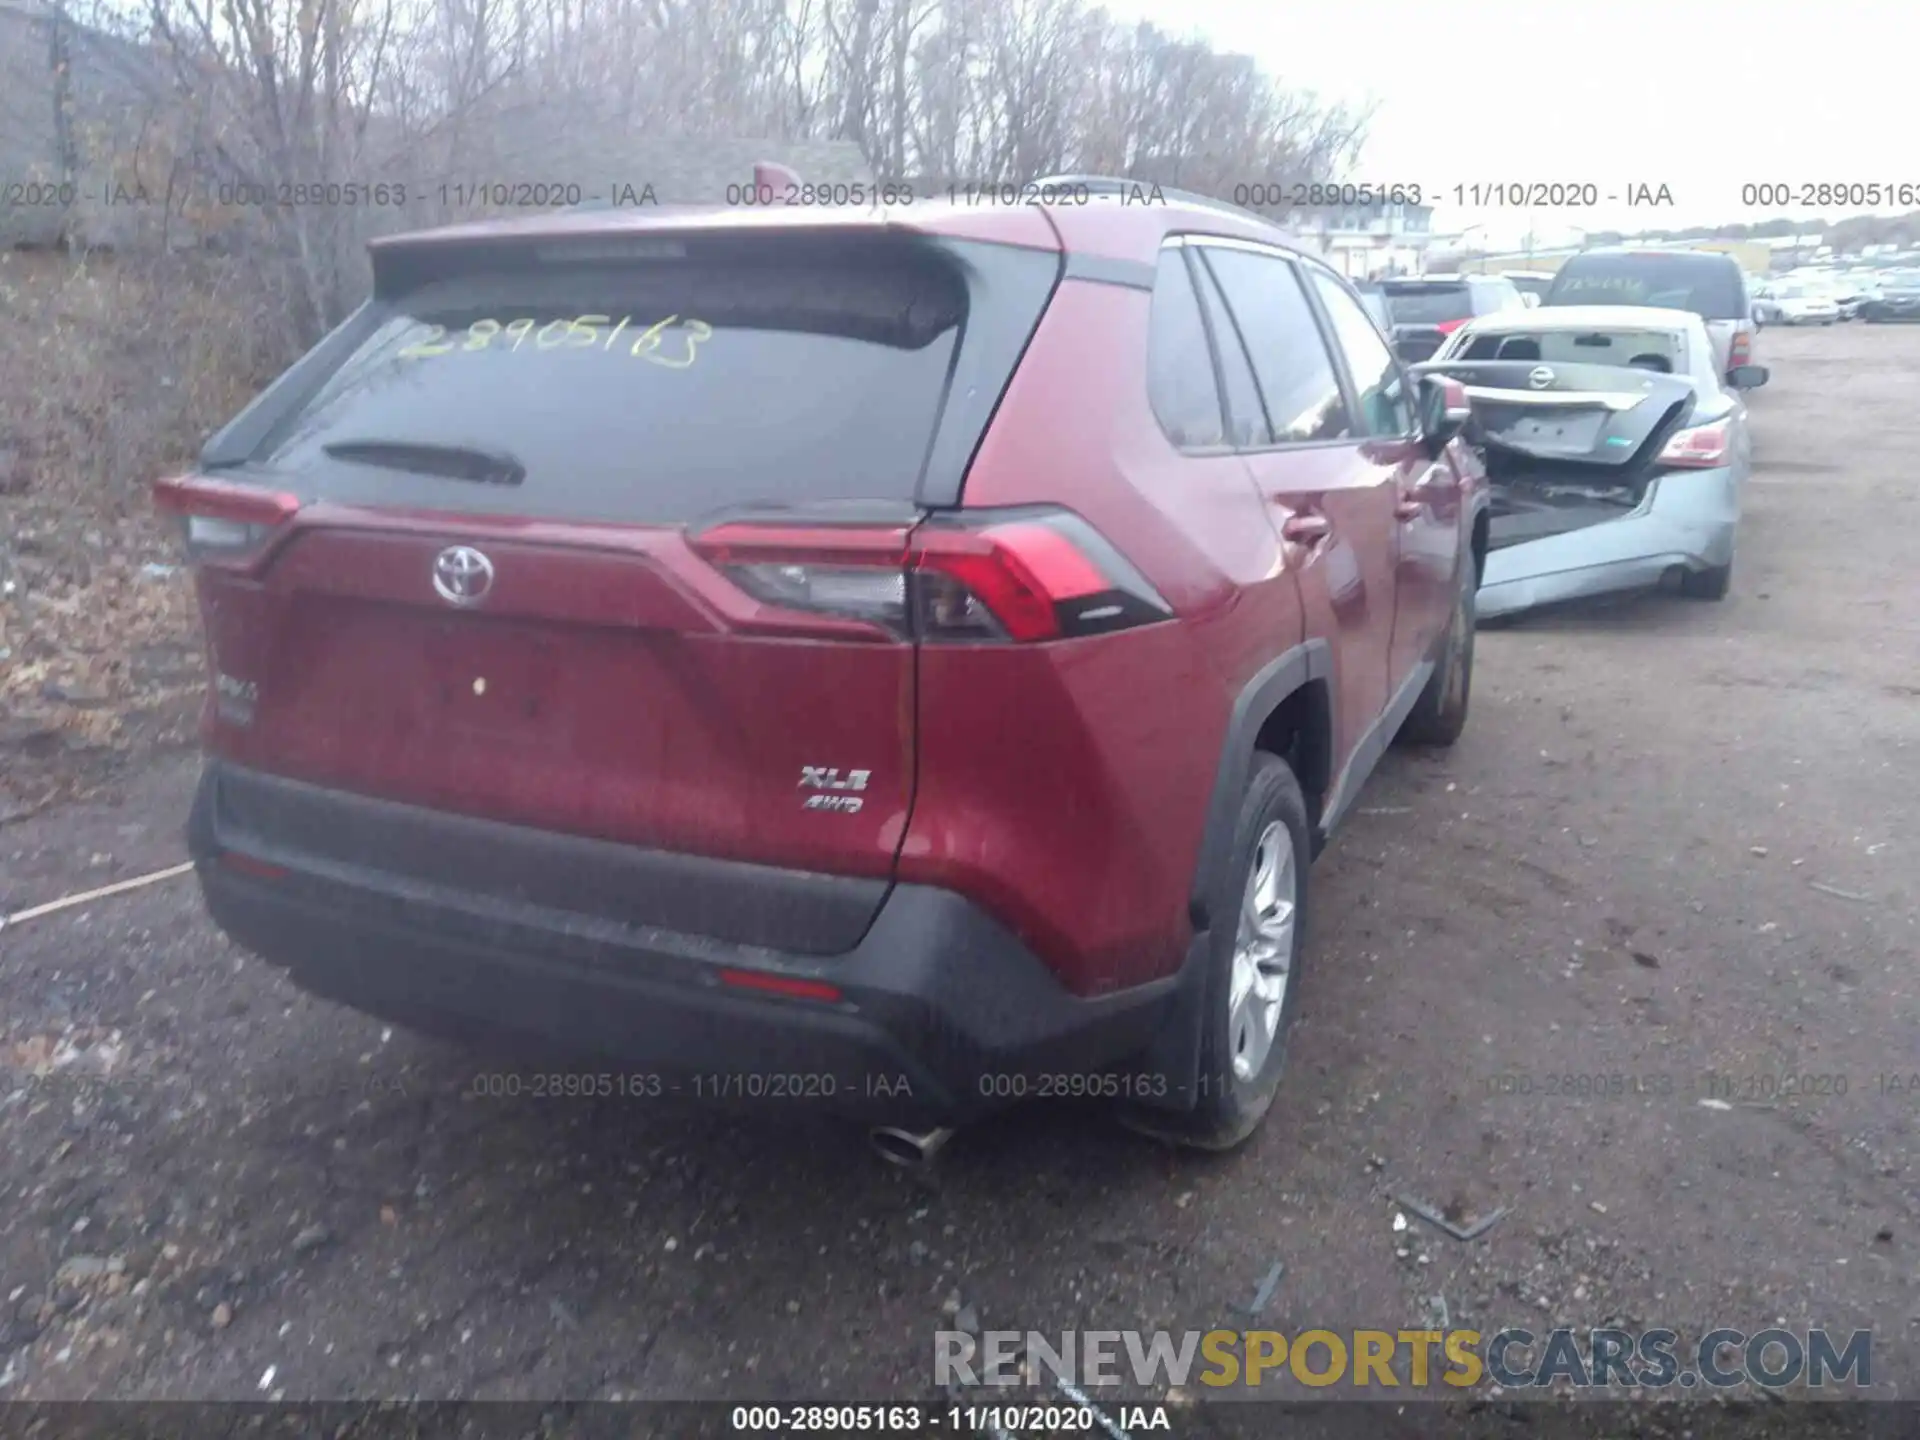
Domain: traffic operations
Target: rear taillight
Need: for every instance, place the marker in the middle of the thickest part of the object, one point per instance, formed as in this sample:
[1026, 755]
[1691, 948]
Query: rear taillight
[1701, 448]
[988, 576]
[1741, 351]
[1447, 327]
[219, 520]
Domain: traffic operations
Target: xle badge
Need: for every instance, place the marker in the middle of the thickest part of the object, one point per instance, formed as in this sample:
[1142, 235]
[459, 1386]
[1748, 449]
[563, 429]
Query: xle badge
[830, 787]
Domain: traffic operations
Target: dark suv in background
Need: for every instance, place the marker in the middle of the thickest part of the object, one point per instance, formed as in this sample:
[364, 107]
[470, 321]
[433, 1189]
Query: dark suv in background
[901, 660]
[1428, 309]
[1710, 284]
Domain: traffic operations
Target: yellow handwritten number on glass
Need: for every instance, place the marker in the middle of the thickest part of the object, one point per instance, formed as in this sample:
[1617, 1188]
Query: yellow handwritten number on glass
[696, 332]
[432, 344]
[579, 333]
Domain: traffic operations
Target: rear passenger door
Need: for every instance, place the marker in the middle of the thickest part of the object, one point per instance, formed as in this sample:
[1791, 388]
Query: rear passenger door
[1330, 501]
[1427, 491]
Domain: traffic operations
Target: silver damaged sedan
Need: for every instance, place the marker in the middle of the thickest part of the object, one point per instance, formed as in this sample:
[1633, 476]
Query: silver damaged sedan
[1615, 451]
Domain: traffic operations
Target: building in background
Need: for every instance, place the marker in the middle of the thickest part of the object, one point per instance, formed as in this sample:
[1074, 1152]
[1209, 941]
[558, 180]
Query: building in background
[1367, 241]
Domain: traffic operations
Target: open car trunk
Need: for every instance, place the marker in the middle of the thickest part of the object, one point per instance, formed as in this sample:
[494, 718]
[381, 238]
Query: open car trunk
[1566, 446]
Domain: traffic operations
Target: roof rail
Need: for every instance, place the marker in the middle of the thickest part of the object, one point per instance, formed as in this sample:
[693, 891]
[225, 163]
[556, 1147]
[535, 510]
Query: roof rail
[1116, 184]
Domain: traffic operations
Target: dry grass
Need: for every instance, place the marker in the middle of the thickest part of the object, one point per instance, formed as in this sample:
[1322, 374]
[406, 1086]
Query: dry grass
[111, 373]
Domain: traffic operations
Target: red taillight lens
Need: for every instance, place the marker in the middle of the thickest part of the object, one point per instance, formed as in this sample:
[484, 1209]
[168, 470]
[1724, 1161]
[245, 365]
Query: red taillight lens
[1741, 351]
[219, 520]
[1701, 448]
[1447, 327]
[990, 576]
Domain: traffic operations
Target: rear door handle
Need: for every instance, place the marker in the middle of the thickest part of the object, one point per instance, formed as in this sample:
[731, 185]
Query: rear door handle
[1304, 527]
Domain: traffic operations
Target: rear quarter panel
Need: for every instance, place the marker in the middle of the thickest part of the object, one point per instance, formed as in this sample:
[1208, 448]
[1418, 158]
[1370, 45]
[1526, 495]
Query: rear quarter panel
[1066, 785]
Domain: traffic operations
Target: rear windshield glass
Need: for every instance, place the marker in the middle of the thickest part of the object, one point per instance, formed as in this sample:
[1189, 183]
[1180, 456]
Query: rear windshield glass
[1708, 285]
[656, 391]
[1429, 304]
[1655, 350]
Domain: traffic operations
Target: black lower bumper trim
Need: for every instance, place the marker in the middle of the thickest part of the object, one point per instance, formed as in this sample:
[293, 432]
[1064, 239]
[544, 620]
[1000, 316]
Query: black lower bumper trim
[944, 1014]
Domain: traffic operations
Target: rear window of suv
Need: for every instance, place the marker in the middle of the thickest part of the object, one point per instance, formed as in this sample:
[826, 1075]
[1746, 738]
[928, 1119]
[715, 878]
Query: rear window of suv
[654, 391]
[1429, 304]
[1708, 285]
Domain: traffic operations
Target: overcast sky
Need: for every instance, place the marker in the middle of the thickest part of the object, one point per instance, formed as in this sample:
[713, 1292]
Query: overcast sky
[1699, 95]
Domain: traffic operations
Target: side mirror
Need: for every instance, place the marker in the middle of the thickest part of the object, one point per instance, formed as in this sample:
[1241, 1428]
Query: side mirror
[1748, 377]
[1444, 410]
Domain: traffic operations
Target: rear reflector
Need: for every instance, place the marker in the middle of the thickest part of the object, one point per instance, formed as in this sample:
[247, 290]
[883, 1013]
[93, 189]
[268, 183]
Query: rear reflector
[992, 576]
[790, 986]
[252, 865]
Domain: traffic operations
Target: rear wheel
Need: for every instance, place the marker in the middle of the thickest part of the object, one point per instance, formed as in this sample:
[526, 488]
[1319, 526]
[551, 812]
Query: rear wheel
[1253, 968]
[1709, 584]
[1440, 714]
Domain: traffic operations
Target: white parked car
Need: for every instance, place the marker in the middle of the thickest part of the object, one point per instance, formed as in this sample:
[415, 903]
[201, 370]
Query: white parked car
[1796, 302]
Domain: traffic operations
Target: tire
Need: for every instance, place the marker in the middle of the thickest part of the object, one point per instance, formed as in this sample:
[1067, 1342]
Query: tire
[1440, 714]
[1239, 1078]
[1711, 584]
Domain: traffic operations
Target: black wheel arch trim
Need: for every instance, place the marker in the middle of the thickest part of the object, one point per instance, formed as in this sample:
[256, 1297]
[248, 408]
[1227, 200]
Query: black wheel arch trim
[1175, 1051]
[1262, 695]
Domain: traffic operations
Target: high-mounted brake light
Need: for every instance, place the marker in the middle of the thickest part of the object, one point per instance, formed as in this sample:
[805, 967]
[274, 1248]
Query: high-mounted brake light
[1702, 448]
[985, 576]
[220, 520]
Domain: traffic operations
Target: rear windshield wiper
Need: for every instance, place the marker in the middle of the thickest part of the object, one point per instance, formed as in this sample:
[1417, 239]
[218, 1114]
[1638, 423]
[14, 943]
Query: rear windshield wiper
[452, 462]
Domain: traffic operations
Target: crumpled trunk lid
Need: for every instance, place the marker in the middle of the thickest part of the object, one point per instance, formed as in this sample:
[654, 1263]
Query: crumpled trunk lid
[1566, 446]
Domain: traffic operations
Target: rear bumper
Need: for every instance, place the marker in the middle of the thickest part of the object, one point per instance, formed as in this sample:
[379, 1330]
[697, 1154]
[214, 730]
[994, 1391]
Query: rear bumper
[1690, 522]
[943, 1014]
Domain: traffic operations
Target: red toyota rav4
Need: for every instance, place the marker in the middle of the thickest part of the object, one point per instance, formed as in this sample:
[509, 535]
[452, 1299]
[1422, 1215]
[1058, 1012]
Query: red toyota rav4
[906, 659]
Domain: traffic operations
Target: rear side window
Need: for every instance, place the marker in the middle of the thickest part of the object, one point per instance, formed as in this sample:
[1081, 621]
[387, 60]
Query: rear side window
[1708, 285]
[1429, 304]
[1246, 416]
[1377, 384]
[652, 392]
[1290, 360]
[1180, 380]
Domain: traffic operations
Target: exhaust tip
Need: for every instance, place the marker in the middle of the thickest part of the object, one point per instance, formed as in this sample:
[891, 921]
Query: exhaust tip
[909, 1149]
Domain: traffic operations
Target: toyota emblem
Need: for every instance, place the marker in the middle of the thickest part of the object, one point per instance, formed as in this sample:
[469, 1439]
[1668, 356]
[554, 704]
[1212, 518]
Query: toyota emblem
[1540, 377]
[462, 575]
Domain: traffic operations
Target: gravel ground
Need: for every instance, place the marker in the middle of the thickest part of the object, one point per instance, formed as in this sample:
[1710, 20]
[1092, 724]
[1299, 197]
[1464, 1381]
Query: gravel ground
[212, 1186]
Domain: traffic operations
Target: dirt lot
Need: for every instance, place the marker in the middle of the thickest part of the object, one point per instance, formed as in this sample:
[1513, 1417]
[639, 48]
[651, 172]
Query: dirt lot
[1618, 872]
